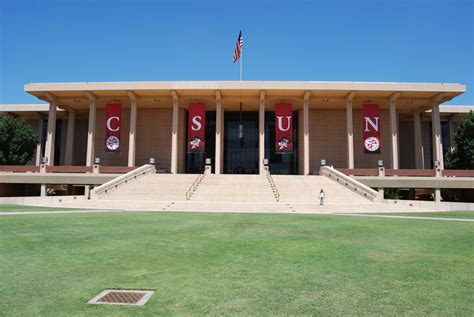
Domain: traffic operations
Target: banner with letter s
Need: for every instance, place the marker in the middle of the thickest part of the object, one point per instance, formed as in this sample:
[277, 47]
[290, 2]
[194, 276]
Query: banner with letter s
[371, 127]
[283, 128]
[196, 127]
[113, 118]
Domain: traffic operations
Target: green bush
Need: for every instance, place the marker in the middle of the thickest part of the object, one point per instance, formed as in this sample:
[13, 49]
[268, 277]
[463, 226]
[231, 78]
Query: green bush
[462, 157]
[391, 193]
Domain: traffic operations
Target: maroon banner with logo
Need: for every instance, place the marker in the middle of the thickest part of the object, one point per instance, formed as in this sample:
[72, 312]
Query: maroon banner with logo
[371, 126]
[283, 128]
[113, 118]
[196, 127]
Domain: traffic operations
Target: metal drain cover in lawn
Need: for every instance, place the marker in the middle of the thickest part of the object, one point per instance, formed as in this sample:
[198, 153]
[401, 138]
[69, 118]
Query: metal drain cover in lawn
[122, 297]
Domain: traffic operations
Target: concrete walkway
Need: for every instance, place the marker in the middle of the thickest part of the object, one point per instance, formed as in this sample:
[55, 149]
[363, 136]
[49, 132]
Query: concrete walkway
[62, 212]
[409, 217]
[281, 207]
[58, 212]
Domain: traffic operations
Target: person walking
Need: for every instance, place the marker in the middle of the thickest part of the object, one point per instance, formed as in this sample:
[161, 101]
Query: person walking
[321, 197]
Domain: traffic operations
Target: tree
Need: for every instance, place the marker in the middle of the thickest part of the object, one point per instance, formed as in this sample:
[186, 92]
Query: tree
[17, 141]
[462, 157]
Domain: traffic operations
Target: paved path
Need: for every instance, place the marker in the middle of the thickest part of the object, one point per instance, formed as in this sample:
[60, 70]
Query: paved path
[60, 212]
[56, 212]
[409, 217]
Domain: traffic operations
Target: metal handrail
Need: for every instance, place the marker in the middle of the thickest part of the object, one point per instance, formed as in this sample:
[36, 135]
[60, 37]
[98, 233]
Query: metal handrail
[343, 179]
[125, 178]
[273, 185]
[194, 185]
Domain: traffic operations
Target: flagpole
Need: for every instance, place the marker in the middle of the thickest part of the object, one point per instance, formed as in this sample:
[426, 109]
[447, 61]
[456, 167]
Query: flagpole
[241, 56]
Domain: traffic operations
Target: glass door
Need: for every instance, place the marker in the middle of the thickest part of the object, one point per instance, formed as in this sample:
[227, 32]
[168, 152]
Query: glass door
[241, 154]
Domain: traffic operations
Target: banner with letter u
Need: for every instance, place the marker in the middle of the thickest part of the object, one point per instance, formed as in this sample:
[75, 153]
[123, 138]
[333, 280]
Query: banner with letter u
[283, 128]
[196, 127]
[113, 118]
[371, 126]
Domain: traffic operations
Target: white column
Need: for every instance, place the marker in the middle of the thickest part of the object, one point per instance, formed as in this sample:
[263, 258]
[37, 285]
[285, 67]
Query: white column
[40, 141]
[91, 129]
[307, 94]
[436, 130]
[394, 130]
[437, 195]
[350, 130]
[71, 123]
[50, 135]
[217, 157]
[174, 134]
[261, 133]
[133, 128]
[417, 139]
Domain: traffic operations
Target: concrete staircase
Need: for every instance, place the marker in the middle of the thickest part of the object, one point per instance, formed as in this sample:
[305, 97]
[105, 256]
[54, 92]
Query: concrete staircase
[232, 193]
[234, 188]
[153, 187]
[305, 189]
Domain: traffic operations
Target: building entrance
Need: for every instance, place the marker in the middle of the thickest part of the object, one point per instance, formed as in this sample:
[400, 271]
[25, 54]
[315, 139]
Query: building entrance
[241, 154]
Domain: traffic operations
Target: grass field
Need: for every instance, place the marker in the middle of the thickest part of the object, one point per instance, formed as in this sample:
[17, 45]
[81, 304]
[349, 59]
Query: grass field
[236, 264]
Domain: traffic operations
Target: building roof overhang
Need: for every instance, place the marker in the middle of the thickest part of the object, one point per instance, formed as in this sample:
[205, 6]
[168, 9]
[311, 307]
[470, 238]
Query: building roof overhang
[28, 111]
[323, 94]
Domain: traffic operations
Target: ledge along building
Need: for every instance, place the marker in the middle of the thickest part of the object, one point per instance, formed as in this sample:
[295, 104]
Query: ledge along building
[240, 127]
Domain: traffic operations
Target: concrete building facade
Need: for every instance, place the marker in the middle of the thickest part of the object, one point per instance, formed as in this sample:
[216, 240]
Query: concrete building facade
[328, 123]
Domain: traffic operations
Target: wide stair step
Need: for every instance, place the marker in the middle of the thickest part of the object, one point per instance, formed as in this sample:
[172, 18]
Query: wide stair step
[153, 187]
[234, 188]
[305, 189]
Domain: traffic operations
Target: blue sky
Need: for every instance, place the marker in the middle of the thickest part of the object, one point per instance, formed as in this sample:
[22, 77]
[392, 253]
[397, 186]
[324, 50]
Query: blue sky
[361, 40]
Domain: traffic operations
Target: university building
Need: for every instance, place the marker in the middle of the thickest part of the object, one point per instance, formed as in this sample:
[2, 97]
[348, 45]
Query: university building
[243, 124]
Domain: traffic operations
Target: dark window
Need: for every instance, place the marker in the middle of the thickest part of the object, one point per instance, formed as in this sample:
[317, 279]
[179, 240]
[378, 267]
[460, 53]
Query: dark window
[445, 136]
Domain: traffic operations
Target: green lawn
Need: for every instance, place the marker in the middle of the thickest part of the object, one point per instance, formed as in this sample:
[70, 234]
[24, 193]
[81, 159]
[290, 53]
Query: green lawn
[6, 208]
[236, 264]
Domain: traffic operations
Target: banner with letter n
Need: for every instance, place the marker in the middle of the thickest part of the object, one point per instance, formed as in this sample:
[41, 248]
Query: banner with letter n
[113, 118]
[371, 126]
[283, 128]
[196, 127]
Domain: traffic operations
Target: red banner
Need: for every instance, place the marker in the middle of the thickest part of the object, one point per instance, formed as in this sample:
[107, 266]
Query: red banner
[371, 126]
[283, 128]
[196, 127]
[113, 118]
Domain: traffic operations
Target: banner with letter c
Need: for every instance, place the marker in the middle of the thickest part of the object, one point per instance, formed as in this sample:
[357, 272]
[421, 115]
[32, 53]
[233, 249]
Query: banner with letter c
[196, 127]
[371, 126]
[283, 128]
[113, 118]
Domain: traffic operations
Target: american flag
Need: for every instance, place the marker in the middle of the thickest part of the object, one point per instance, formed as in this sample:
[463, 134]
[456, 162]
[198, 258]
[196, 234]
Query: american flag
[238, 47]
